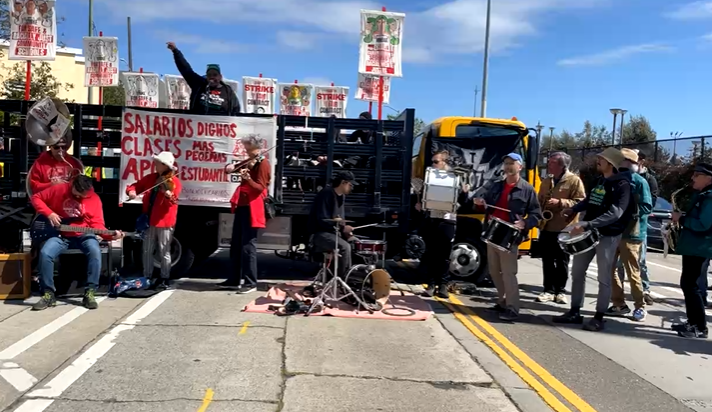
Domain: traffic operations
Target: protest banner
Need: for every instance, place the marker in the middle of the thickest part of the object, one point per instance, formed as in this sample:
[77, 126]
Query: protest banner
[101, 61]
[381, 44]
[202, 146]
[331, 100]
[177, 92]
[141, 89]
[295, 99]
[259, 95]
[368, 85]
[33, 30]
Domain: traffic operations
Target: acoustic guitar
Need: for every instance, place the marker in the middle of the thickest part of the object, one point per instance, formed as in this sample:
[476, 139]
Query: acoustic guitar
[42, 229]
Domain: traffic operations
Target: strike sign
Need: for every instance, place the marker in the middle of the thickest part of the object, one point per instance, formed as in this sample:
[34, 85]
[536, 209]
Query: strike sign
[331, 100]
[258, 95]
[101, 61]
[141, 89]
[33, 30]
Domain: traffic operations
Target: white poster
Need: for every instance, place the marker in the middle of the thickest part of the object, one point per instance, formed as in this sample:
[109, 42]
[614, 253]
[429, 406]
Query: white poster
[259, 95]
[331, 100]
[202, 146]
[141, 89]
[234, 85]
[367, 89]
[381, 43]
[33, 30]
[101, 61]
[295, 99]
[177, 92]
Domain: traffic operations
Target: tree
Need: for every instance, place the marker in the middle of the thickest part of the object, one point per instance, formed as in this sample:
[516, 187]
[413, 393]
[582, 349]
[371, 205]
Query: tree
[43, 82]
[114, 96]
[638, 130]
[418, 125]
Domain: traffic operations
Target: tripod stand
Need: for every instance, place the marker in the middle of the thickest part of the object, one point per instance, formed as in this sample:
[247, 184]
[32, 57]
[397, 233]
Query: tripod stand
[330, 290]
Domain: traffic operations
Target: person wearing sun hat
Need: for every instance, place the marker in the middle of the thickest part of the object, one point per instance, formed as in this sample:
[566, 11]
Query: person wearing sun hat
[606, 209]
[160, 213]
[209, 95]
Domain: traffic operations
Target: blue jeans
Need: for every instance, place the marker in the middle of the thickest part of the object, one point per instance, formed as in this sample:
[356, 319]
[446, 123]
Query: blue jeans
[643, 267]
[56, 245]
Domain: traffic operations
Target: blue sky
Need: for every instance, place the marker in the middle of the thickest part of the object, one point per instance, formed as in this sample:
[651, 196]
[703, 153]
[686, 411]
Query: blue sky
[556, 61]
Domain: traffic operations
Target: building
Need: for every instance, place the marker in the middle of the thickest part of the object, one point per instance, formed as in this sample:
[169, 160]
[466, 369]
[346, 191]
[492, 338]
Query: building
[68, 67]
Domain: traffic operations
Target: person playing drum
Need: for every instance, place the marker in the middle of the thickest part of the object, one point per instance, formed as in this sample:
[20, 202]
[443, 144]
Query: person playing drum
[519, 197]
[608, 209]
[438, 234]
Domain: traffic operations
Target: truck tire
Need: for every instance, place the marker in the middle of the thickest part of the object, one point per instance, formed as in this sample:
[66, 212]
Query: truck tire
[468, 261]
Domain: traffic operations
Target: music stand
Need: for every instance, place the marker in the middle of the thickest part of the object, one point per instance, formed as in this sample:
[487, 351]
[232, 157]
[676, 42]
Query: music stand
[331, 289]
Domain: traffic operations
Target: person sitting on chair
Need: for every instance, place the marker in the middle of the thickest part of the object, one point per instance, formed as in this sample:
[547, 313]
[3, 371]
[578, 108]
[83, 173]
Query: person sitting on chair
[76, 203]
[54, 167]
[329, 204]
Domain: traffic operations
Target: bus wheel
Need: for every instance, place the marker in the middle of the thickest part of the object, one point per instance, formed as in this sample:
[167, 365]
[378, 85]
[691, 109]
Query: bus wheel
[467, 261]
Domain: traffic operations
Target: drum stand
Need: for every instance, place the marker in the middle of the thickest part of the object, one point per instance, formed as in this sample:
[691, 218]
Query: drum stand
[330, 290]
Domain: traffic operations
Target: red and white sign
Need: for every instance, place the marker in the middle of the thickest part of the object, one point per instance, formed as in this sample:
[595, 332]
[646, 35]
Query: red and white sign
[259, 95]
[141, 89]
[381, 43]
[368, 87]
[177, 92]
[202, 146]
[295, 99]
[331, 100]
[33, 30]
[101, 61]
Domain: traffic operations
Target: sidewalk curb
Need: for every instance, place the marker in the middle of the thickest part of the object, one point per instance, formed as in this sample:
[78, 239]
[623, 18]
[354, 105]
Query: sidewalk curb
[523, 397]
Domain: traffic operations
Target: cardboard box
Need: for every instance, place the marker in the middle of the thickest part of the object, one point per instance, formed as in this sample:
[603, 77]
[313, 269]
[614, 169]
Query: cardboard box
[15, 276]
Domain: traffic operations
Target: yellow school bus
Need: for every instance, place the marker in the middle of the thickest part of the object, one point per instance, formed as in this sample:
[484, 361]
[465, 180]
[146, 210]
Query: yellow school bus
[477, 144]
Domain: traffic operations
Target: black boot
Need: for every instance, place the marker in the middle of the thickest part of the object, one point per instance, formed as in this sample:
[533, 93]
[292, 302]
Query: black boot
[46, 301]
[442, 291]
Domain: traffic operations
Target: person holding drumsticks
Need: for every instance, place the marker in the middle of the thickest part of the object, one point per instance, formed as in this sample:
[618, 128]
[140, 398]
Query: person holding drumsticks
[518, 197]
[607, 208]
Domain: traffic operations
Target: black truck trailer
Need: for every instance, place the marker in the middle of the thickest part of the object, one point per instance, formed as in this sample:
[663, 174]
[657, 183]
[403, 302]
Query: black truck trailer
[308, 152]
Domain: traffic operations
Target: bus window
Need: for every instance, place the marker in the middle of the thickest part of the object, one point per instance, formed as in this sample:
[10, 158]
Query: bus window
[417, 140]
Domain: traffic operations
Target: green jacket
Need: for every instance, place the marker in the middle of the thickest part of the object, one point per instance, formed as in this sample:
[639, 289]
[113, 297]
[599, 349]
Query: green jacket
[696, 234]
[644, 201]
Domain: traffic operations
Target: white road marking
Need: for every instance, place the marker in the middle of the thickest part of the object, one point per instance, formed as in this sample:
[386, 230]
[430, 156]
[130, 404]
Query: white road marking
[663, 266]
[19, 378]
[40, 334]
[73, 372]
[35, 405]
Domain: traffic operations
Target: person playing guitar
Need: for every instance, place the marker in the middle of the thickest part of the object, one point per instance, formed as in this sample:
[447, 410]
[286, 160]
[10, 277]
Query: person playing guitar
[160, 212]
[77, 203]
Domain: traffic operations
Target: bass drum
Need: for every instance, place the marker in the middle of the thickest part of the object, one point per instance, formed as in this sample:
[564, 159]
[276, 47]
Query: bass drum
[373, 286]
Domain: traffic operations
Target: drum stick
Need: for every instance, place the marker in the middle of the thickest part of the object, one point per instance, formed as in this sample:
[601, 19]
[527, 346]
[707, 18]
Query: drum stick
[498, 208]
[361, 227]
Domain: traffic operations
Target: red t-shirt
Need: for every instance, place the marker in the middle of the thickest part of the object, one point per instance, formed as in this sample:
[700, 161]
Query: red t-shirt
[503, 202]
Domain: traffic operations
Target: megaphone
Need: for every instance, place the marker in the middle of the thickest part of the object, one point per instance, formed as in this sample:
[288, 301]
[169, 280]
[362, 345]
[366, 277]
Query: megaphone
[48, 122]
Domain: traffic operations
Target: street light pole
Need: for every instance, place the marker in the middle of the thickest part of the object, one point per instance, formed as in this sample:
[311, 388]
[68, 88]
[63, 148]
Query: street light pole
[539, 128]
[623, 112]
[615, 118]
[485, 67]
[551, 138]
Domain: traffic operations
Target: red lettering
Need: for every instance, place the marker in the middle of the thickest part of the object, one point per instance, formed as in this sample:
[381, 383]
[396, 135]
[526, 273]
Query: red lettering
[147, 149]
[165, 122]
[190, 132]
[128, 125]
[125, 145]
[131, 170]
[157, 128]
[146, 167]
[140, 129]
[201, 129]
[176, 148]
[233, 130]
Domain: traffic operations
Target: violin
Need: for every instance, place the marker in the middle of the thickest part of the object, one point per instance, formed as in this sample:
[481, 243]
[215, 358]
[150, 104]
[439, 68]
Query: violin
[248, 163]
[167, 183]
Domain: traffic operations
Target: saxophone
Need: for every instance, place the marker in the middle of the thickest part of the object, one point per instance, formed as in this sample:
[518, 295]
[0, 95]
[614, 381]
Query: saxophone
[547, 214]
[671, 231]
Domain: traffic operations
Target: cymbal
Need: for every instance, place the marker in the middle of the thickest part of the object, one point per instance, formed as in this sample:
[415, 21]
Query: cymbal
[338, 220]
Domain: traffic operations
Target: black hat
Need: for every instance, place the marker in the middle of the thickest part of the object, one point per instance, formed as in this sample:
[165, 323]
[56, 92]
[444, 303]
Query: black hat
[366, 115]
[346, 176]
[705, 168]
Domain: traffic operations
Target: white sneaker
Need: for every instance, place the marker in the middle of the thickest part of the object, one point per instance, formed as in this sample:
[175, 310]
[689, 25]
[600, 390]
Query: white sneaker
[545, 297]
[561, 299]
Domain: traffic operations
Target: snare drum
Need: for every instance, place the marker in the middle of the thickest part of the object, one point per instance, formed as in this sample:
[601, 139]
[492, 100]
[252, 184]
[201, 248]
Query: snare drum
[370, 247]
[441, 190]
[501, 235]
[578, 244]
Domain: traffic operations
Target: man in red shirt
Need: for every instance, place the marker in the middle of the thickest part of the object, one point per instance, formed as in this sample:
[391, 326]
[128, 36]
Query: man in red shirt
[54, 167]
[160, 212]
[518, 196]
[80, 206]
[248, 204]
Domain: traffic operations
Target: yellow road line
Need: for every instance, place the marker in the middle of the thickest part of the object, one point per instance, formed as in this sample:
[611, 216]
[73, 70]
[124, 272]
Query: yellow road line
[538, 370]
[243, 330]
[527, 377]
[206, 400]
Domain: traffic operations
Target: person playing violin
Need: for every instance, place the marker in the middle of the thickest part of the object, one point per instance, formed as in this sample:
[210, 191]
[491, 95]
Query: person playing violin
[160, 206]
[248, 205]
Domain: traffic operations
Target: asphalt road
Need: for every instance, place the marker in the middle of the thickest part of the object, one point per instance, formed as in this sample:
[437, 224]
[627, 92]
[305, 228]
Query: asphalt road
[192, 349]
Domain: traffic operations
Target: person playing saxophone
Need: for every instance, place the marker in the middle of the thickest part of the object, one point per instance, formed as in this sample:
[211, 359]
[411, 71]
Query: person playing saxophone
[561, 190]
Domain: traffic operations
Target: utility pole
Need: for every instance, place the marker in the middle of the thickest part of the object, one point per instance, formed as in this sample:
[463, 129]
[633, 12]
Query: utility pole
[477, 91]
[91, 32]
[623, 112]
[128, 25]
[551, 138]
[485, 68]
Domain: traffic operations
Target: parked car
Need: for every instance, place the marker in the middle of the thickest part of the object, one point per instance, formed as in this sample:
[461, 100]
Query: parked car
[662, 213]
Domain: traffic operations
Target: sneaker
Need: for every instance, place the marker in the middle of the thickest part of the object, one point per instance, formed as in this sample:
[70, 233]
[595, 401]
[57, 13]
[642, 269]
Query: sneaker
[442, 292]
[46, 301]
[647, 298]
[639, 314]
[593, 325]
[509, 315]
[545, 297]
[161, 284]
[89, 300]
[618, 311]
[693, 332]
[429, 292]
[561, 299]
[229, 284]
[497, 308]
[680, 327]
[569, 317]
[246, 289]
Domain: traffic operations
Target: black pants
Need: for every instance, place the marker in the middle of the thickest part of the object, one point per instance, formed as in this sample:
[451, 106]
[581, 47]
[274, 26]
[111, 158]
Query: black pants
[694, 296]
[325, 242]
[438, 235]
[555, 262]
[243, 248]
